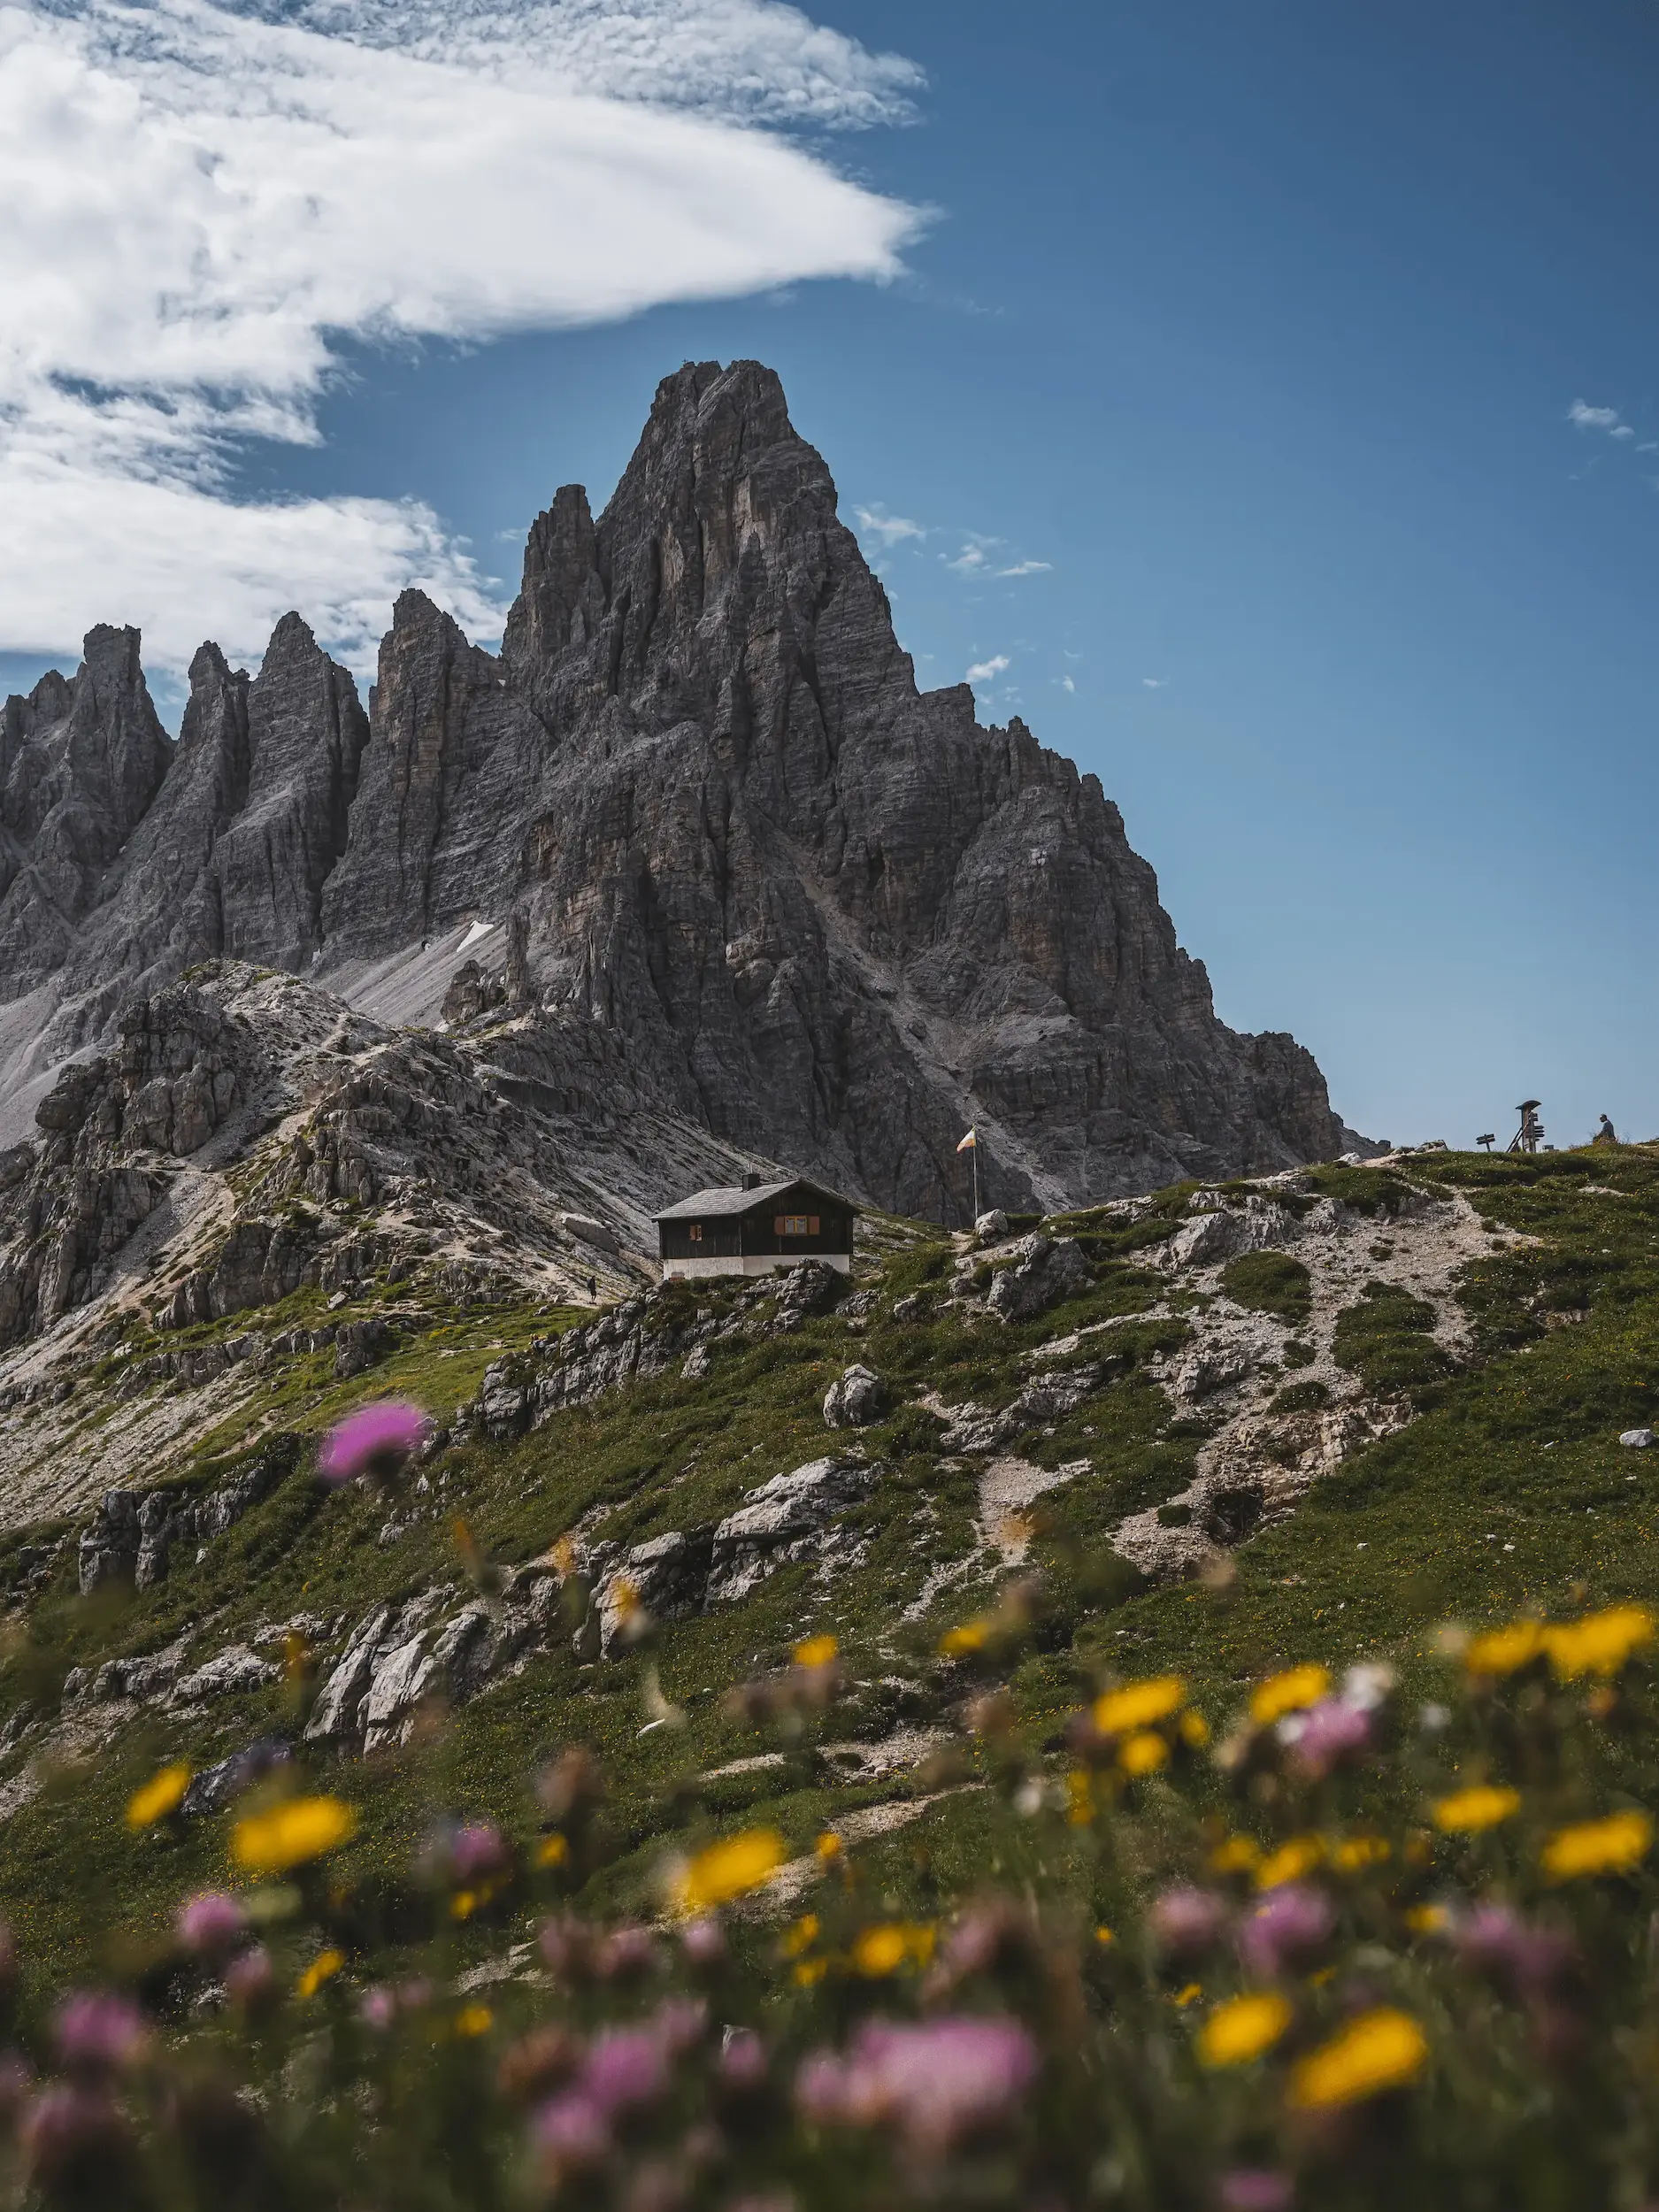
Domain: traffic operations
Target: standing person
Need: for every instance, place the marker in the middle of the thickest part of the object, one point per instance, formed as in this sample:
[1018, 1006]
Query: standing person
[593, 1290]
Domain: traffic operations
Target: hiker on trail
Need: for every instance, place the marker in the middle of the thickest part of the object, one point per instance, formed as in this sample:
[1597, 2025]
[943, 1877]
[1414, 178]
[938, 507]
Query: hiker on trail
[1605, 1133]
[592, 1287]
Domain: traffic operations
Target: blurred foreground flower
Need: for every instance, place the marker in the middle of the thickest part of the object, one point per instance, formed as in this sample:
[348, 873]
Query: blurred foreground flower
[1138, 1705]
[728, 1869]
[1286, 1927]
[304, 1828]
[1612, 1846]
[376, 1440]
[1288, 1693]
[162, 1794]
[935, 2082]
[211, 1923]
[1471, 1811]
[1382, 2049]
[1243, 2027]
[98, 2033]
[1600, 1643]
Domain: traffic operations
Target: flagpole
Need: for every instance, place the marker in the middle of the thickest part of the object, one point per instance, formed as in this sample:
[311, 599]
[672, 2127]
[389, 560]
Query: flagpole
[976, 1179]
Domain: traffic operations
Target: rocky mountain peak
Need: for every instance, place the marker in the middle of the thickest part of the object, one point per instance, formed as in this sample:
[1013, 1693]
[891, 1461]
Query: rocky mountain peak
[698, 800]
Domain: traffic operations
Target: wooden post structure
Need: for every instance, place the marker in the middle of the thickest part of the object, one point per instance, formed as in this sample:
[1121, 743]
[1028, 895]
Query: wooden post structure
[1528, 1136]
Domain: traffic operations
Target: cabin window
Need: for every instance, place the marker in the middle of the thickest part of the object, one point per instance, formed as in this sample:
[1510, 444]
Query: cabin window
[796, 1225]
[695, 1233]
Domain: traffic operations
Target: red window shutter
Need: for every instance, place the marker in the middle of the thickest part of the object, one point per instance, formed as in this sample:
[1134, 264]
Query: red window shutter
[777, 1226]
[811, 1225]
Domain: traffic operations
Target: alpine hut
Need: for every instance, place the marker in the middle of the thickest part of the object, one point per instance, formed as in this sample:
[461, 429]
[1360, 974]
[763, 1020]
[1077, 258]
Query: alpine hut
[755, 1227]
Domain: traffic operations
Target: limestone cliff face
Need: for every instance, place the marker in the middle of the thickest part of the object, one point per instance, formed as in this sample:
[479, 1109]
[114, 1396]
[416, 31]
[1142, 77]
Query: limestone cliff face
[827, 916]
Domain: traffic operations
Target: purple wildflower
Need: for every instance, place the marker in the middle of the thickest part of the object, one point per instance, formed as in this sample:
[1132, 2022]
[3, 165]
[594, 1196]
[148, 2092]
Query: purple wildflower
[570, 2130]
[1256, 2189]
[626, 2066]
[935, 2081]
[375, 1440]
[704, 1941]
[1187, 1920]
[1499, 1942]
[628, 1950]
[1324, 1735]
[677, 2022]
[98, 2033]
[250, 1979]
[742, 2061]
[1290, 1922]
[71, 2134]
[211, 1923]
[377, 2008]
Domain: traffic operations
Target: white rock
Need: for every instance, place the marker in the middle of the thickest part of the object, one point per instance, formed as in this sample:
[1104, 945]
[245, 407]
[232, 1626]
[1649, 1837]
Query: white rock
[1638, 1440]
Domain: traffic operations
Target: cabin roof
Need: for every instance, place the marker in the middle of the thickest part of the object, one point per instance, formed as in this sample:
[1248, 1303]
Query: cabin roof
[704, 1204]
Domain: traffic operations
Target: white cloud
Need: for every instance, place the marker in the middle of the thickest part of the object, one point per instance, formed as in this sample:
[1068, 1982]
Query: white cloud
[1066, 684]
[1588, 417]
[1621, 430]
[968, 562]
[199, 202]
[1155, 683]
[891, 529]
[1027, 568]
[983, 672]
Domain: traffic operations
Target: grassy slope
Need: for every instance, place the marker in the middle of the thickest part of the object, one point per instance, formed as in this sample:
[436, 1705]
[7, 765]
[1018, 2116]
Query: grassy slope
[1520, 1449]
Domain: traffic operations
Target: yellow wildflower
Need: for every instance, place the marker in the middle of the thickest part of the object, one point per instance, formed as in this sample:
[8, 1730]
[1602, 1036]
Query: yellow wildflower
[1290, 1862]
[816, 1651]
[1104, 1936]
[828, 1846]
[561, 1554]
[623, 1600]
[322, 1969]
[1354, 1854]
[1612, 1846]
[464, 1903]
[726, 1869]
[1469, 1812]
[1383, 2049]
[1079, 1797]
[1139, 1704]
[475, 2020]
[1143, 1753]
[956, 1643]
[801, 1936]
[1428, 1919]
[162, 1794]
[1503, 1650]
[1234, 1854]
[552, 1850]
[1600, 1643]
[885, 1947]
[304, 1828]
[1288, 1693]
[1190, 1995]
[1243, 2027]
[806, 1972]
[1195, 1729]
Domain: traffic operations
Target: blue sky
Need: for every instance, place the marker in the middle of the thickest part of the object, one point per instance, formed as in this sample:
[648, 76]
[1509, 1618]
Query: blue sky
[1251, 339]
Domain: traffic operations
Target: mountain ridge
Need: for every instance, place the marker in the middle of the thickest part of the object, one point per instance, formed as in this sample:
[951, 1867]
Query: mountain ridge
[697, 798]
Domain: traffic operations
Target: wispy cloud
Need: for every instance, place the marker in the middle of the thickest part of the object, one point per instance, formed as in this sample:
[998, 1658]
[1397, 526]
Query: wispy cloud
[891, 530]
[202, 202]
[970, 561]
[986, 671]
[1156, 683]
[1066, 684]
[1027, 568]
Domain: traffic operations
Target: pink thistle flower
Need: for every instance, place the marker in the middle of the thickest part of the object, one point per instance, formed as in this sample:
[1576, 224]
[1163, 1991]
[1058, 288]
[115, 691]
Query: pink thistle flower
[98, 2033]
[625, 2066]
[376, 1441]
[71, 2134]
[935, 2081]
[570, 2130]
[624, 1951]
[211, 1923]
[677, 2023]
[742, 2060]
[1290, 1922]
[250, 1979]
[704, 1941]
[1256, 2189]
[377, 2008]
[1187, 1920]
[1324, 1735]
[1501, 1943]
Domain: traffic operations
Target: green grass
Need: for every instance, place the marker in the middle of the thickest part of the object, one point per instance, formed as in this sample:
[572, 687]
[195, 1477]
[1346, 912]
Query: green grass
[1508, 1489]
[1270, 1282]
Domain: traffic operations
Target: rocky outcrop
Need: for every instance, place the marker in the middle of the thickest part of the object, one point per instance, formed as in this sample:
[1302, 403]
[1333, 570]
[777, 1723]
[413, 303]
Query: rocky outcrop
[1042, 1272]
[131, 1537]
[855, 1399]
[819, 913]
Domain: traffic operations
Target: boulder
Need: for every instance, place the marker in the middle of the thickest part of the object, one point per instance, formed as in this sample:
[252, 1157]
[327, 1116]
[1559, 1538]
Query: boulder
[855, 1399]
[1638, 1440]
[786, 1518]
[1043, 1272]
